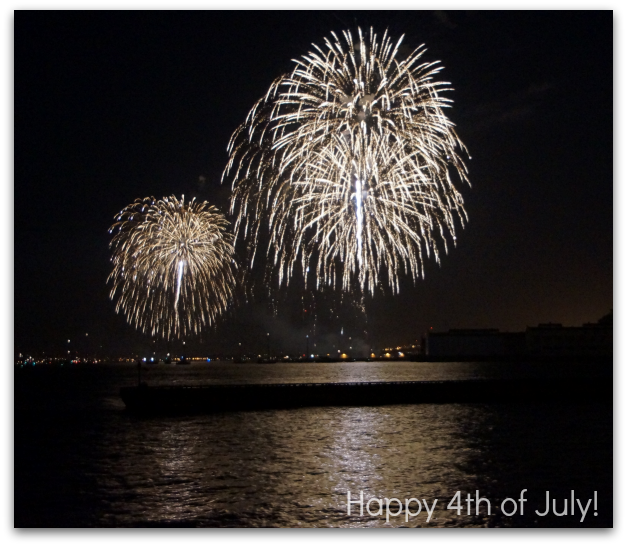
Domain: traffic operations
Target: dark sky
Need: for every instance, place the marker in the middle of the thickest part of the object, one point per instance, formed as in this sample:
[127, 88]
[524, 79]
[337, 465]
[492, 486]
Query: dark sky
[114, 106]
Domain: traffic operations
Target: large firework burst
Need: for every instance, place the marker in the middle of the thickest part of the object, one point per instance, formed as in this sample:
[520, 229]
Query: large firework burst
[350, 163]
[172, 265]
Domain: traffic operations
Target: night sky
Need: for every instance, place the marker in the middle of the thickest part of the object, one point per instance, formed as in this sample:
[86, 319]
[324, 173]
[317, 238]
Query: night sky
[110, 107]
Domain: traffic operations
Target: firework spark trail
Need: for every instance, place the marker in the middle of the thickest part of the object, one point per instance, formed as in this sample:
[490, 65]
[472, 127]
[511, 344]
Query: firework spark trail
[360, 218]
[173, 268]
[178, 283]
[348, 162]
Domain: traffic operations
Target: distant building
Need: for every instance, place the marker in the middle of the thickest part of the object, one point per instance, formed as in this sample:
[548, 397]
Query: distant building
[591, 339]
[544, 340]
[607, 320]
[487, 342]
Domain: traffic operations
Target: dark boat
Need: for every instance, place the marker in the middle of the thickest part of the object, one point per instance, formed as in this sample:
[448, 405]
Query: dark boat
[210, 398]
[267, 361]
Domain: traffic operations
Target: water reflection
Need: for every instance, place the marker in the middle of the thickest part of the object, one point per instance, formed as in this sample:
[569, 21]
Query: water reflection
[290, 467]
[295, 467]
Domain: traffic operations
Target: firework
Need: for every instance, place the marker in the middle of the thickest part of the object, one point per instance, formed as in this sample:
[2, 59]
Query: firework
[350, 164]
[172, 266]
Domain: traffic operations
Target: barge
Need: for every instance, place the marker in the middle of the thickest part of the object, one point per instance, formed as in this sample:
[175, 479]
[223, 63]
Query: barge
[237, 397]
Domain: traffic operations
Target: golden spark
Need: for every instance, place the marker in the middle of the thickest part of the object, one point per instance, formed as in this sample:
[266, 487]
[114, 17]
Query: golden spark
[172, 266]
[349, 163]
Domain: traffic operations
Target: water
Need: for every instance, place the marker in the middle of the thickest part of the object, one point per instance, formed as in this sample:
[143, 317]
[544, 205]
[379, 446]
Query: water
[82, 460]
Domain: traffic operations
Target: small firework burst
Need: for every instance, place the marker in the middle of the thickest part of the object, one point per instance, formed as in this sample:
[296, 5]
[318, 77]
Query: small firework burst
[173, 266]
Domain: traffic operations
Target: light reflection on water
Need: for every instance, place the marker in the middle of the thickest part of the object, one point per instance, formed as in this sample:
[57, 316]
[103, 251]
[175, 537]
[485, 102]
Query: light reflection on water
[295, 467]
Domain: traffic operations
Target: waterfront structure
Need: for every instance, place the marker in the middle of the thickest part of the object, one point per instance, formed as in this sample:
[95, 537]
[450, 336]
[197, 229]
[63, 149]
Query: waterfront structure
[544, 340]
[591, 339]
[173, 399]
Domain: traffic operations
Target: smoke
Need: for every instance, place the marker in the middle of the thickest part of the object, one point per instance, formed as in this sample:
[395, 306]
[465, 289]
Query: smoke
[326, 338]
[443, 18]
